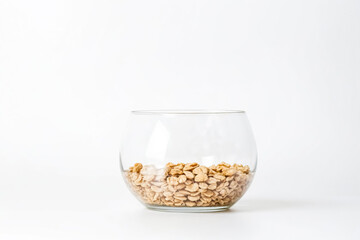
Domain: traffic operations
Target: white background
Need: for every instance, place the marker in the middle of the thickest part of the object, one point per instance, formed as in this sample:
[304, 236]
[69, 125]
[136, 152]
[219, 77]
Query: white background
[70, 71]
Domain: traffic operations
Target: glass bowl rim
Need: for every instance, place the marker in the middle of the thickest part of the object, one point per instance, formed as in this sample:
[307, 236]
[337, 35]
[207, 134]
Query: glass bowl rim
[186, 111]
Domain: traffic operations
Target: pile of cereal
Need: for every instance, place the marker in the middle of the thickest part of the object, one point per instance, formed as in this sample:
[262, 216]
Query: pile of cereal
[189, 185]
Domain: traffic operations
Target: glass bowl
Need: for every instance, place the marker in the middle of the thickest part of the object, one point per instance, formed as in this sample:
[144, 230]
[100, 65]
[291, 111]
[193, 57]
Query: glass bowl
[189, 160]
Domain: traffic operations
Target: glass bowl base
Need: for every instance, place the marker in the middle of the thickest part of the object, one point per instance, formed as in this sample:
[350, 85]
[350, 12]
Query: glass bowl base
[187, 209]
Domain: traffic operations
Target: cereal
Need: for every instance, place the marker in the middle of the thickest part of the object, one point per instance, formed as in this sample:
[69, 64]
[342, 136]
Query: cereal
[190, 204]
[219, 177]
[137, 167]
[203, 185]
[189, 185]
[202, 177]
[184, 192]
[229, 172]
[180, 186]
[176, 171]
[188, 182]
[190, 166]
[208, 193]
[193, 187]
[189, 175]
[182, 179]
[172, 181]
[193, 199]
[198, 170]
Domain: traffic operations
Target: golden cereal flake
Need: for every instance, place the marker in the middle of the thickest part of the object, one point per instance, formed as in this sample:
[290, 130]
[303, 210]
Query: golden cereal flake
[189, 185]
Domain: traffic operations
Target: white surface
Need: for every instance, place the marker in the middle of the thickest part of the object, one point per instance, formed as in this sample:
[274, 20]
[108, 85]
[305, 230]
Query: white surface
[71, 70]
[251, 218]
[102, 208]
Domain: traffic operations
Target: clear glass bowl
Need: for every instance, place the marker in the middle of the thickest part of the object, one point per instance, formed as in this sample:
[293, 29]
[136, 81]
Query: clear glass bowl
[188, 161]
